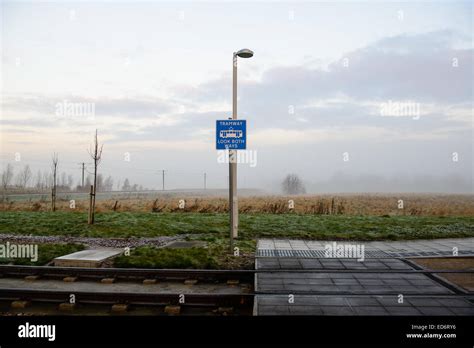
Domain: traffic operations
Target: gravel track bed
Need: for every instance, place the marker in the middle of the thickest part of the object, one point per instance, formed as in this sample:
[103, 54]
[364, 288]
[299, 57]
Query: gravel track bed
[90, 242]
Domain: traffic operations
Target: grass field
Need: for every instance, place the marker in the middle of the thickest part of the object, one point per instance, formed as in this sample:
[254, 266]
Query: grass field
[148, 257]
[252, 226]
[260, 219]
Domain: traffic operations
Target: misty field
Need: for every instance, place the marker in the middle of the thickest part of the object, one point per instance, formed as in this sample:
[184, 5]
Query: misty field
[206, 219]
[350, 204]
[251, 227]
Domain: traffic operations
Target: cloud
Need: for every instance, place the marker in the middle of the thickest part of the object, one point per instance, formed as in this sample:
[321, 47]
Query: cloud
[283, 137]
[403, 67]
[133, 107]
[414, 68]
[418, 66]
[298, 103]
[137, 107]
[141, 145]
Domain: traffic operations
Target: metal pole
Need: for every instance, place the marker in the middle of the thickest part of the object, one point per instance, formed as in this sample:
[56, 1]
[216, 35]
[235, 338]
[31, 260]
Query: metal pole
[83, 167]
[233, 204]
[163, 180]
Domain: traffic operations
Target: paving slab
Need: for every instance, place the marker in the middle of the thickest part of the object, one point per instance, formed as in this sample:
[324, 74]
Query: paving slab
[273, 263]
[322, 285]
[366, 305]
[375, 249]
[378, 283]
[87, 258]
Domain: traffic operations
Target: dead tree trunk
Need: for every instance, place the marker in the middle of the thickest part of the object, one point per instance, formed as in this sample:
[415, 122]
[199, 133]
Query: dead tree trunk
[90, 216]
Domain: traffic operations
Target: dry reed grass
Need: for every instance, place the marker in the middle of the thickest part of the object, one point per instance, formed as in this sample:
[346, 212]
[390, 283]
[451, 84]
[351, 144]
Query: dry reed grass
[349, 204]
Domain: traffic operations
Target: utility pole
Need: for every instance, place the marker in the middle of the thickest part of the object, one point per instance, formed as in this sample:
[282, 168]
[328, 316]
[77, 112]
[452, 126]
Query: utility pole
[163, 187]
[233, 203]
[83, 168]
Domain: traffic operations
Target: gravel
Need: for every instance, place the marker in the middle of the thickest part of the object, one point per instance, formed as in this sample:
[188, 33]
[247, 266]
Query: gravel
[90, 242]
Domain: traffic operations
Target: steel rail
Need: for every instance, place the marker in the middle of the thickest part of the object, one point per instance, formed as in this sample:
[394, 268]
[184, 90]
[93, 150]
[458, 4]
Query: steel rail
[191, 299]
[141, 273]
[198, 274]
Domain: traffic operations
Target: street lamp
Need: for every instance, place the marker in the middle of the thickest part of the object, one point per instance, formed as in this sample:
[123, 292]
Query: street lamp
[245, 53]
[233, 205]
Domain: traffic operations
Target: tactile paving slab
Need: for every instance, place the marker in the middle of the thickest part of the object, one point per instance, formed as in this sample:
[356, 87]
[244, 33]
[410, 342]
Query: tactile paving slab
[276, 263]
[363, 305]
[367, 254]
[323, 285]
[348, 283]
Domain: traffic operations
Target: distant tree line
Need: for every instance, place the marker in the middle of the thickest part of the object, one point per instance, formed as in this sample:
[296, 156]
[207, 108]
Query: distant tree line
[27, 182]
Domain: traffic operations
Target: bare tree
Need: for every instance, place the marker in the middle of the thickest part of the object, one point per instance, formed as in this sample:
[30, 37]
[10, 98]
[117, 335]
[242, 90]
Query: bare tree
[38, 179]
[70, 182]
[100, 183]
[88, 181]
[46, 181]
[63, 180]
[54, 168]
[7, 176]
[108, 184]
[293, 185]
[126, 185]
[24, 176]
[18, 180]
[96, 154]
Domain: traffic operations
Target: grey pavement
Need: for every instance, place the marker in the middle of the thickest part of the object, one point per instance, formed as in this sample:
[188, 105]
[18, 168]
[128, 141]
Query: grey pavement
[366, 305]
[269, 263]
[465, 246]
[348, 283]
[320, 285]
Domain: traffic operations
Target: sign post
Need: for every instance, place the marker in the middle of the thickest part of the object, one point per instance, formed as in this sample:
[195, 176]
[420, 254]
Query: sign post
[231, 135]
[238, 137]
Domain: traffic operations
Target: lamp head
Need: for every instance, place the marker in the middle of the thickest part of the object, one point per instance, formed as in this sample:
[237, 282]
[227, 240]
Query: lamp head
[245, 53]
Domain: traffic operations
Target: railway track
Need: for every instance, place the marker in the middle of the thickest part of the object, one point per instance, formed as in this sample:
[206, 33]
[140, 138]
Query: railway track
[127, 273]
[208, 290]
[63, 296]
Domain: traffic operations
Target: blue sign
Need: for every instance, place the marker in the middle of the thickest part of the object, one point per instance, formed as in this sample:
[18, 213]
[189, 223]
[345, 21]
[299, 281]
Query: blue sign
[231, 134]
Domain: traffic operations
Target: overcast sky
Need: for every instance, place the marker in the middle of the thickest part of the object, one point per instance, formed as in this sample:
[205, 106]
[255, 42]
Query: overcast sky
[320, 96]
